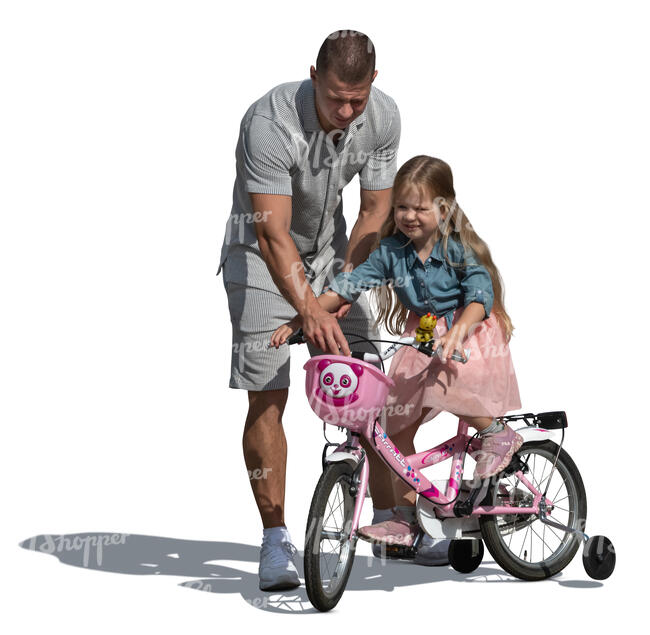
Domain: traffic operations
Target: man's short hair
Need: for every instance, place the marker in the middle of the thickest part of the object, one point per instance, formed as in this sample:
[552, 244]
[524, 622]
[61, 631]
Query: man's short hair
[350, 55]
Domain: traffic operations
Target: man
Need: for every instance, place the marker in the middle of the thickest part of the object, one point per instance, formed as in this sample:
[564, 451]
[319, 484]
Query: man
[299, 145]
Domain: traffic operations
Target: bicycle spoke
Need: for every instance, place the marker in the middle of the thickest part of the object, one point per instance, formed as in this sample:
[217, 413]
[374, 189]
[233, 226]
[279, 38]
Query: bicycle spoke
[523, 543]
[339, 499]
[331, 549]
[512, 533]
[558, 490]
[539, 547]
[339, 502]
[541, 483]
[542, 539]
[557, 520]
[538, 482]
[561, 539]
[331, 513]
[542, 477]
[328, 513]
[552, 530]
[325, 561]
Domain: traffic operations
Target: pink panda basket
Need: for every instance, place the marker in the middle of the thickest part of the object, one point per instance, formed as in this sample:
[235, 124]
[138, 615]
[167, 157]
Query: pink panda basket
[346, 392]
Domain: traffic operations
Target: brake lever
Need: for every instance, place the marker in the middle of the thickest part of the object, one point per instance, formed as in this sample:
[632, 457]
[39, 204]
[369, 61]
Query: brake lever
[427, 349]
[455, 356]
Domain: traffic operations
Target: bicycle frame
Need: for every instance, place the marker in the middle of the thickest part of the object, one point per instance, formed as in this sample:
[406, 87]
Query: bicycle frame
[409, 467]
[351, 393]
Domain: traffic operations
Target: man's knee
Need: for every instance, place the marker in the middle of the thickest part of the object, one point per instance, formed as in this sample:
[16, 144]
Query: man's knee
[267, 404]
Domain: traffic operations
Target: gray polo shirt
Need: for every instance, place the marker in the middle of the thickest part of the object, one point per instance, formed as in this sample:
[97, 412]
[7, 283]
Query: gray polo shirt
[282, 149]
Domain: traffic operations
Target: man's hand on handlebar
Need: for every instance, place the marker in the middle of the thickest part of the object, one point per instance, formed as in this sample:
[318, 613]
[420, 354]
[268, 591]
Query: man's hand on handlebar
[319, 327]
[322, 329]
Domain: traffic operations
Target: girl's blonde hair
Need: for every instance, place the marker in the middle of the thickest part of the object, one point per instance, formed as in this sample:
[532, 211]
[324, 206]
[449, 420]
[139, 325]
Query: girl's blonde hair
[433, 178]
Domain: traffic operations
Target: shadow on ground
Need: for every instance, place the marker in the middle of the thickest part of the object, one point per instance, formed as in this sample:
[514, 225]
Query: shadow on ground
[153, 555]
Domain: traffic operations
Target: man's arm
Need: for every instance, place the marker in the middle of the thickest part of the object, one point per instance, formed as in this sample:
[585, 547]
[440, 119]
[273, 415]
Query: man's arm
[376, 179]
[373, 211]
[375, 206]
[272, 218]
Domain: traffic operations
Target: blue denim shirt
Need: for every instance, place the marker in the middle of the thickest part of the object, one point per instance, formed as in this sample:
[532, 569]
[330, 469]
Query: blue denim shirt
[433, 286]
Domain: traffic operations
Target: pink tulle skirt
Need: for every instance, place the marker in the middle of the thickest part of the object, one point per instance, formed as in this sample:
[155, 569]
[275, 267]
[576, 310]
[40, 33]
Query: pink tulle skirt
[485, 386]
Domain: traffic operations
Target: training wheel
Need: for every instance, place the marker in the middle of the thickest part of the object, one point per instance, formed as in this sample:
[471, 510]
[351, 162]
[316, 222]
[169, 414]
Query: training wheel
[465, 556]
[599, 557]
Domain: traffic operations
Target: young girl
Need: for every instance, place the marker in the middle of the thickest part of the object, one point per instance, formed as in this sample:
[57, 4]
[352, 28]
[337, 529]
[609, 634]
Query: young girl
[428, 259]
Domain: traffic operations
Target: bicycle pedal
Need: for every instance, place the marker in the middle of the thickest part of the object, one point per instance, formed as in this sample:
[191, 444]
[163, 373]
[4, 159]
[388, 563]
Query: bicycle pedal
[392, 552]
[399, 552]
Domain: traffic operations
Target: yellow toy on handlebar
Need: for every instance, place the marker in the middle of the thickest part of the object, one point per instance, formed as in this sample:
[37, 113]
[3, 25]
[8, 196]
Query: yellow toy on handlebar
[424, 332]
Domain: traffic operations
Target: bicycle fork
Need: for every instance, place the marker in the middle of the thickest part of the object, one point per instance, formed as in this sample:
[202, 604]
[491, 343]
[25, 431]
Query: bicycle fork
[351, 452]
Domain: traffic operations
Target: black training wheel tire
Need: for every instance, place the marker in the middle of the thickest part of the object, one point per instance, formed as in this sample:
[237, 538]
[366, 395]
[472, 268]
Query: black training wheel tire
[465, 556]
[599, 557]
[335, 475]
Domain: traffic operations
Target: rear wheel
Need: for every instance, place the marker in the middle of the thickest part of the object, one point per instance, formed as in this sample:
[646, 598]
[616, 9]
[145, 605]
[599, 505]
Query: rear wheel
[329, 550]
[520, 543]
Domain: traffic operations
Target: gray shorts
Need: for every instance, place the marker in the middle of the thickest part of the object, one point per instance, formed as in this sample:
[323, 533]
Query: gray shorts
[255, 314]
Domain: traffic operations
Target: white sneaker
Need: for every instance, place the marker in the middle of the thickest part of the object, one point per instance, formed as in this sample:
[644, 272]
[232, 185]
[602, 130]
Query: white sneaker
[277, 569]
[432, 552]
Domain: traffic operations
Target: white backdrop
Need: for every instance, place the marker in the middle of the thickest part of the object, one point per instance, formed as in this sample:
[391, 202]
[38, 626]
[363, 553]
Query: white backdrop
[119, 125]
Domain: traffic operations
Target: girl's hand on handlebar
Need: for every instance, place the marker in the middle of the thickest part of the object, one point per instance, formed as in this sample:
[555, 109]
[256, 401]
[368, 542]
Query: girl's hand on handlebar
[451, 341]
[281, 334]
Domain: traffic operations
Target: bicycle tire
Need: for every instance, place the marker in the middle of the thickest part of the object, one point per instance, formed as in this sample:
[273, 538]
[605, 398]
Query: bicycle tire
[337, 478]
[493, 527]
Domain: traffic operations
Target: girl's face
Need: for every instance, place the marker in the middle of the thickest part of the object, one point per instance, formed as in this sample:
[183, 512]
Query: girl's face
[417, 216]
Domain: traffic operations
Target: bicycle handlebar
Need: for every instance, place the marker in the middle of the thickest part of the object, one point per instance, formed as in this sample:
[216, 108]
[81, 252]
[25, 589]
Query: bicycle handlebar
[424, 347]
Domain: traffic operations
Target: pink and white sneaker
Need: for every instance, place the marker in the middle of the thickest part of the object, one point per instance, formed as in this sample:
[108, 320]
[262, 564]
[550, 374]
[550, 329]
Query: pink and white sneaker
[394, 531]
[496, 452]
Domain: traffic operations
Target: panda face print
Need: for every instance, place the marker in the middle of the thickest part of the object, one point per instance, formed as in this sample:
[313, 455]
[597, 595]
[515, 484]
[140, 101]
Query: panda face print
[339, 380]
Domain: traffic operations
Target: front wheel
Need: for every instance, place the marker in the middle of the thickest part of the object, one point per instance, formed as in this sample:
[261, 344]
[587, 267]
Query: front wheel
[520, 543]
[329, 550]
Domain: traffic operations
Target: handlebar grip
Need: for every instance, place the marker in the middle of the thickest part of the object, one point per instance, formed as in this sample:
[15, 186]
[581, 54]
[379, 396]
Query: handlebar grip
[455, 356]
[427, 349]
[296, 338]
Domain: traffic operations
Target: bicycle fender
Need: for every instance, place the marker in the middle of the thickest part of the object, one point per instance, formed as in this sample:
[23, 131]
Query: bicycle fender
[535, 434]
[337, 457]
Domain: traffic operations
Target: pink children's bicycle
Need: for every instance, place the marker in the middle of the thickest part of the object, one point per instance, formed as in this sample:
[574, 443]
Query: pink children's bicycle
[531, 516]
